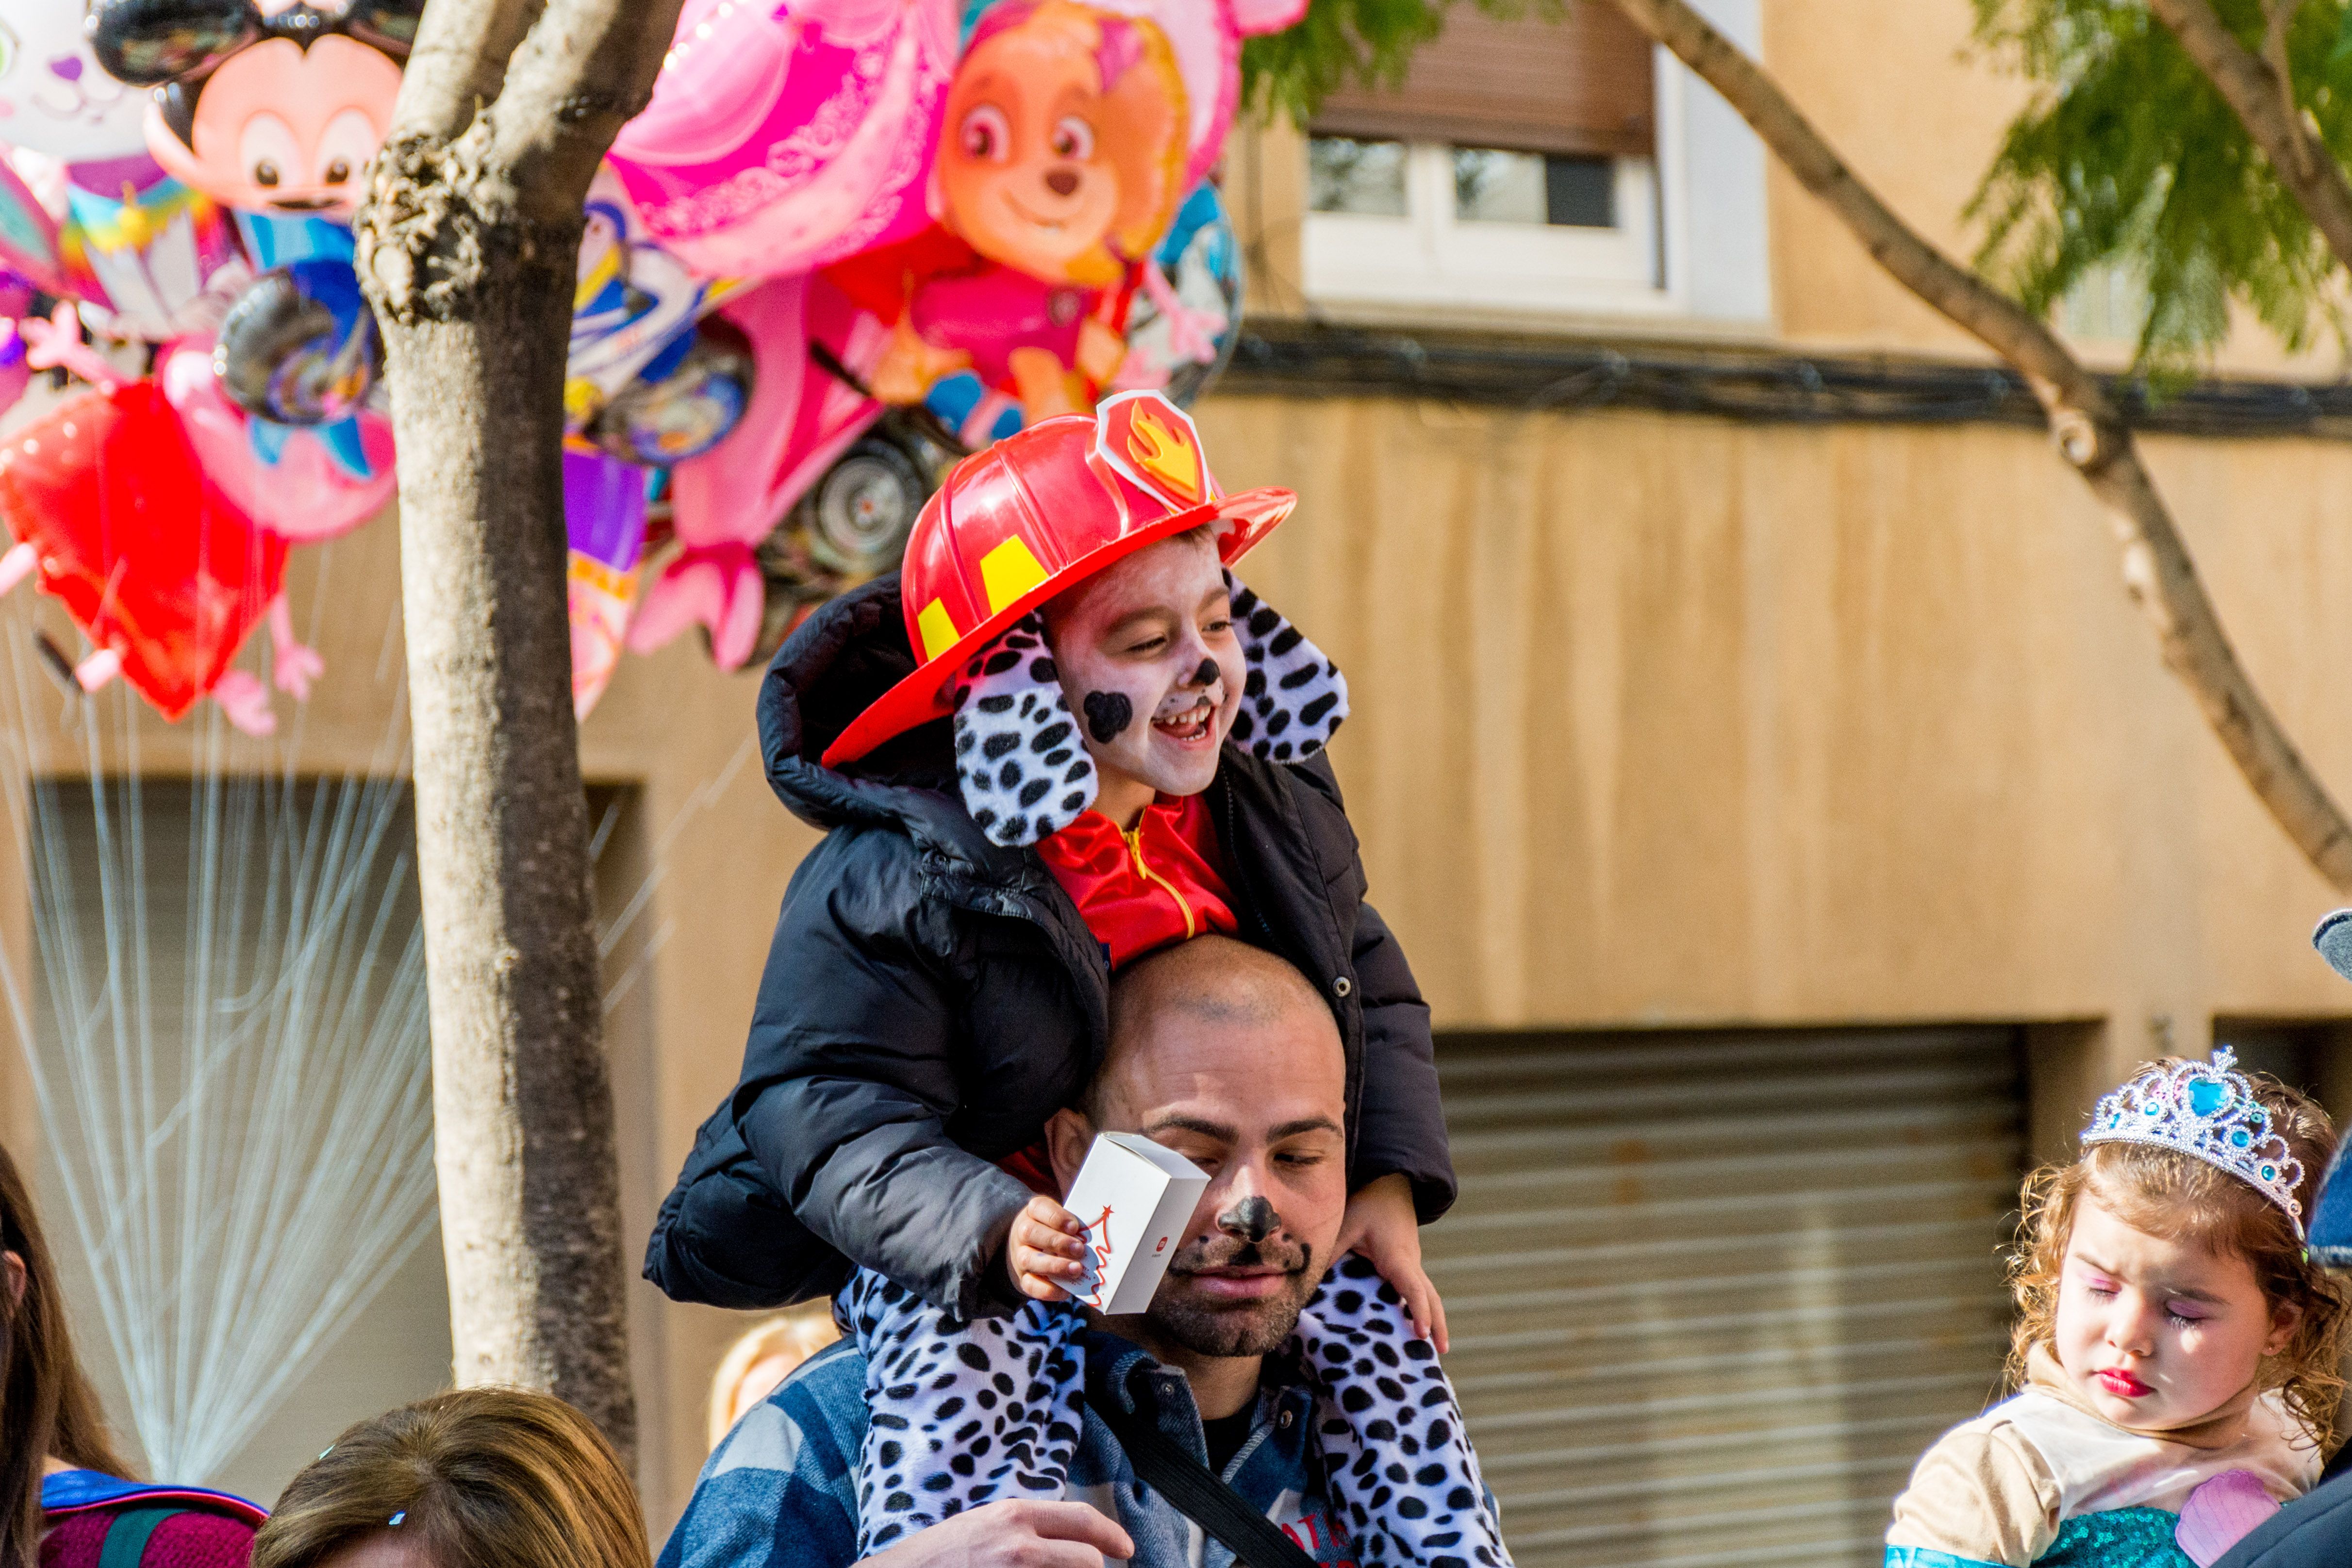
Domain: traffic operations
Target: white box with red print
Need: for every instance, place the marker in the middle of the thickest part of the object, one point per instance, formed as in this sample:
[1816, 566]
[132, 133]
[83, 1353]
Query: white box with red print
[1135, 1198]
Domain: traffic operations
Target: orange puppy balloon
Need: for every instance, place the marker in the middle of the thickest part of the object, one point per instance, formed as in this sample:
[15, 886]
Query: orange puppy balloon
[1062, 147]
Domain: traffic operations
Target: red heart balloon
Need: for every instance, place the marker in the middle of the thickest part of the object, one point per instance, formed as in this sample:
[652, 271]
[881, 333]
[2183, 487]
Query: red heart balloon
[146, 553]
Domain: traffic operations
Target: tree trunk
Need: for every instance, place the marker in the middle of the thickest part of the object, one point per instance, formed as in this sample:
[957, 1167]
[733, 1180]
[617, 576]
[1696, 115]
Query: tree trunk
[2091, 436]
[468, 248]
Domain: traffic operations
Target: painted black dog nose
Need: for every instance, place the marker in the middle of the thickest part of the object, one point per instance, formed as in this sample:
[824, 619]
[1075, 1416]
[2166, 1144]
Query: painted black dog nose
[1252, 1220]
[1207, 673]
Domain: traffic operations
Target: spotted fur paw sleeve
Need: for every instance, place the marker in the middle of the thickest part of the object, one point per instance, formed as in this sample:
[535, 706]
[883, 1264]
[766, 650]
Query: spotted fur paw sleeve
[1402, 1471]
[967, 1414]
[962, 1414]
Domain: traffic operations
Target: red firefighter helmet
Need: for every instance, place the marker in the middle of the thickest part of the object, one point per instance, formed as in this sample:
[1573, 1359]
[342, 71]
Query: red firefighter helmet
[1035, 514]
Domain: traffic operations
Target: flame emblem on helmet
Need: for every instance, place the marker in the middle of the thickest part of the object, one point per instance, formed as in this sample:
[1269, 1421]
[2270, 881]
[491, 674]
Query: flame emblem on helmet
[1165, 451]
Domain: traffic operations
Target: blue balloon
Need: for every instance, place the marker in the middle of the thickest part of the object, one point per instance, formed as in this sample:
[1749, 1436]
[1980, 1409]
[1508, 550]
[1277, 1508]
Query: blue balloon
[299, 346]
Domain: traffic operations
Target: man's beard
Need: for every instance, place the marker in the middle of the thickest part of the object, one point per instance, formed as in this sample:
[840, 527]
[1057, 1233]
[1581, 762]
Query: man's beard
[1206, 1326]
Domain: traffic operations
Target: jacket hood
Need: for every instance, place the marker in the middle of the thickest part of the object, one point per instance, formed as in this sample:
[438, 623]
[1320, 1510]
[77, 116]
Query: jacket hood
[828, 672]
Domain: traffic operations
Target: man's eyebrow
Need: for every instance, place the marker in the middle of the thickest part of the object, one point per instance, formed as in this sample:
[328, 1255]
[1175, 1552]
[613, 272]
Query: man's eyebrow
[1305, 1125]
[1177, 1122]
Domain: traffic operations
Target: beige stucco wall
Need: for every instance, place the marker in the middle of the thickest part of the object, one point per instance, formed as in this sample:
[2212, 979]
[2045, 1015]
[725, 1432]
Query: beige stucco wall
[1669, 720]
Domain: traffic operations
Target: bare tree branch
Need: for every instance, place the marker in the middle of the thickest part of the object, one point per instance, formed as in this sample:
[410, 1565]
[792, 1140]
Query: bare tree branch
[2091, 436]
[2262, 95]
[586, 67]
[459, 64]
[2277, 20]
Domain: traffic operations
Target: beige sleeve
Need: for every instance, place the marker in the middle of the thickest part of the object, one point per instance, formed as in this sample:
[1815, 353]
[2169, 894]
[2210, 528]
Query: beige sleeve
[1983, 1496]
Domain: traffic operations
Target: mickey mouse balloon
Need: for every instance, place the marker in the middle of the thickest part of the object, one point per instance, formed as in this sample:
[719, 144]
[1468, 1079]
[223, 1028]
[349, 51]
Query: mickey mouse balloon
[268, 105]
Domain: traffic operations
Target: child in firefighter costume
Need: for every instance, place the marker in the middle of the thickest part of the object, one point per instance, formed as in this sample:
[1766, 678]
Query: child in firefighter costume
[1062, 737]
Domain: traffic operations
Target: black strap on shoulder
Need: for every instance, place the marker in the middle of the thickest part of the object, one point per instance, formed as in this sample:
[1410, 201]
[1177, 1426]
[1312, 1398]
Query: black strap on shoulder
[127, 1534]
[1198, 1494]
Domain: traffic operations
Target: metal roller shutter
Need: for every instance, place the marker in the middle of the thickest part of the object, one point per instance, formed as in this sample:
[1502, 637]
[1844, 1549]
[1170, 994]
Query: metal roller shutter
[1711, 1294]
[1576, 83]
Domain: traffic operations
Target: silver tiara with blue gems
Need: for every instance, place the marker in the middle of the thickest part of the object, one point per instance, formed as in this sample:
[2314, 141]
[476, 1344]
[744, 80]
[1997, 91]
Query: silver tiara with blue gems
[2206, 1109]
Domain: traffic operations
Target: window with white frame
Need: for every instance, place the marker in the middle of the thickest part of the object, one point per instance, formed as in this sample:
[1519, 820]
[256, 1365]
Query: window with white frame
[1431, 222]
[1538, 166]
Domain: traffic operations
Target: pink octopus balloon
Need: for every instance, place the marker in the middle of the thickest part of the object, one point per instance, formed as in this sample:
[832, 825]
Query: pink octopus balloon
[782, 136]
[723, 502]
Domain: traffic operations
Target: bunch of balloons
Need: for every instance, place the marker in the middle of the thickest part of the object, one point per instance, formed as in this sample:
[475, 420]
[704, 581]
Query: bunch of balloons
[846, 242]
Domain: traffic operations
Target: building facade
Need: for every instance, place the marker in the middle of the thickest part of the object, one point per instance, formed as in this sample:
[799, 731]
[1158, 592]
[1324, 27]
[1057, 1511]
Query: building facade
[1788, 815]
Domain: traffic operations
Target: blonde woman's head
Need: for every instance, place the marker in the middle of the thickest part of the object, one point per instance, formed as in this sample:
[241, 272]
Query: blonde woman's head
[763, 1358]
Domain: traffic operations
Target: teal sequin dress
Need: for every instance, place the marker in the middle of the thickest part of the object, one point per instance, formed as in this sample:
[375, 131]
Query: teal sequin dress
[2118, 1538]
[2115, 1538]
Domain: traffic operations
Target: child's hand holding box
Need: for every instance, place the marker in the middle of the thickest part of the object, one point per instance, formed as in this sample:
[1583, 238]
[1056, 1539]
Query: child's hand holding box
[1126, 1219]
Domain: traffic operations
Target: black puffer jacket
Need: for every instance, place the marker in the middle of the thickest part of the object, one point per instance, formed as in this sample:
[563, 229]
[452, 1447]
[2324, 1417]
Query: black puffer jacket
[931, 998]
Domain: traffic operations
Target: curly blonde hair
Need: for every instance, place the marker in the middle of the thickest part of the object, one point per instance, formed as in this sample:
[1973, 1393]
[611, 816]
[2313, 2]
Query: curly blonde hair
[2182, 1199]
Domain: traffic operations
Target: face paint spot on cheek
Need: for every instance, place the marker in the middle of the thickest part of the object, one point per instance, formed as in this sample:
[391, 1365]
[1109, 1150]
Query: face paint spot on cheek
[1108, 715]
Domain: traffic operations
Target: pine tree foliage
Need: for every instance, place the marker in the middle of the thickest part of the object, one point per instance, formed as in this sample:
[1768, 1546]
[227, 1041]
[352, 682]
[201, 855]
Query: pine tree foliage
[1343, 42]
[2125, 160]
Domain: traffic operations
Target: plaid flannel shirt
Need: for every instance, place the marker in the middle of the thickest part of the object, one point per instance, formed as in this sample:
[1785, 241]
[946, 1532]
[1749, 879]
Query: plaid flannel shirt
[782, 1490]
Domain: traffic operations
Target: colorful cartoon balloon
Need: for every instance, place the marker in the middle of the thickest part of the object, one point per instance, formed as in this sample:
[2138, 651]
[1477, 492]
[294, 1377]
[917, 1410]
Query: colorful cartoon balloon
[605, 516]
[684, 404]
[633, 304]
[54, 98]
[1252, 18]
[28, 235]
[1061, 161]
[164, 576]
[16, 371]
[850, 527]
[1204, 38]
[157, 260]
[1181, 328]
[800, 418]
[782, 136]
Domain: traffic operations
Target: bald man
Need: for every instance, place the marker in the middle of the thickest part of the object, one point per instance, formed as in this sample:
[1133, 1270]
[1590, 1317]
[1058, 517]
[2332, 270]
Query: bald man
[1225, 1053]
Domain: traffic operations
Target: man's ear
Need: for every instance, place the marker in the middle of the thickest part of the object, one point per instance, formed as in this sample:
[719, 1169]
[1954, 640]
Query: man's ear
[1069, 1135]
[12, 1271]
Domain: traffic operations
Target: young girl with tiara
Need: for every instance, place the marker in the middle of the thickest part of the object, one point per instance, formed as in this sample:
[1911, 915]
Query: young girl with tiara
[2177, 1349]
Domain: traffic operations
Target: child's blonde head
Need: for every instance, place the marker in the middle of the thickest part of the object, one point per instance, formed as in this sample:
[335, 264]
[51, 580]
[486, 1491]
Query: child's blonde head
[2182, 1199]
